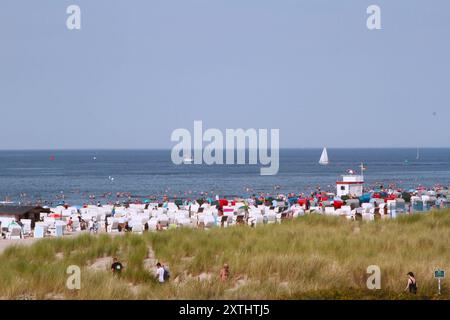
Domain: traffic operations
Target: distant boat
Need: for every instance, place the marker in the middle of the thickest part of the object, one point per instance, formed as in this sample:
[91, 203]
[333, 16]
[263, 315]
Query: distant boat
[418, 154]
[94, 158]
[324, 157]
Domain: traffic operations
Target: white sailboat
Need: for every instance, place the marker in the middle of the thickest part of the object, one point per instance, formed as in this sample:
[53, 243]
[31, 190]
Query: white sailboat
[418, 154]
[324, 157]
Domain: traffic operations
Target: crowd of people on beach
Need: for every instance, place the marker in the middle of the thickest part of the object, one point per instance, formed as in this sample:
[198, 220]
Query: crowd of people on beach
[377, 202]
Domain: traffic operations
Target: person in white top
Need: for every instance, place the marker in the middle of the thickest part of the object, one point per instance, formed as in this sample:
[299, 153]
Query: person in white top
[160, 273]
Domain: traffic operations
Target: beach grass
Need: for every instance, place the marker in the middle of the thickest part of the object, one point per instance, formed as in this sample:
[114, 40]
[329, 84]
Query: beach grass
[311, 257]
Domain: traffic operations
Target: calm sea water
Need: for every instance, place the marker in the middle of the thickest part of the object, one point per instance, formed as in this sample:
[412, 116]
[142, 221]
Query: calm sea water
[33, 175]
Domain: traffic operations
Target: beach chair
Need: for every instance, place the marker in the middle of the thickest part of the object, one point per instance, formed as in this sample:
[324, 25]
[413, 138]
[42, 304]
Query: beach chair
[15, 233]
[209, 221]
[26, 226]
[59, 230]
[75, 224]
[184, 222]
[255, 219]
[194, 208]
[163, 220]
[152, 224]
[39, 231]
[368, 216]
[346, 210]
[113, 227]
[366, 207]
[271, 217]
[137, 228]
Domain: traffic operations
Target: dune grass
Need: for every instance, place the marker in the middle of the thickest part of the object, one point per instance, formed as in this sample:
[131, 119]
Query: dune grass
[312, 257]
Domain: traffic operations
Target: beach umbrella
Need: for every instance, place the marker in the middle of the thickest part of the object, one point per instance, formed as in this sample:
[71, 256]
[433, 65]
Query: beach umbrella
[365, 198]
[337, 204]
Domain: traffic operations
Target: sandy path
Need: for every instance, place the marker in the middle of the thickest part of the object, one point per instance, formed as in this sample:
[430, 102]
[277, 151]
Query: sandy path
[5, 243]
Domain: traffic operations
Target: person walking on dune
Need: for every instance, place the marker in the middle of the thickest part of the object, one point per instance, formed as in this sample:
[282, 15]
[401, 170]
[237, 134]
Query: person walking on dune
[411, 285]
[225, 272]
[159, 273]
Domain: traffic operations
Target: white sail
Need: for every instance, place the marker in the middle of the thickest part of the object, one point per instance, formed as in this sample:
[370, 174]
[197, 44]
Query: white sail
[418, 154]
[324, 157]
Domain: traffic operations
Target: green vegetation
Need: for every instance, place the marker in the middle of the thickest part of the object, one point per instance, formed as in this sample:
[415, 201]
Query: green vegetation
[312, 257]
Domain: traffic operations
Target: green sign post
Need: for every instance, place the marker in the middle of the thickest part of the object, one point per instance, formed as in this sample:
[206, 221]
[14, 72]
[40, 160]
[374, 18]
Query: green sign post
[439, 274]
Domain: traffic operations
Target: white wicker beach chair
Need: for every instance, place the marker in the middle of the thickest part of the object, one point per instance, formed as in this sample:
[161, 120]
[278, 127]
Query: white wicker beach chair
[271, 216]
[114, 226]
[152, 224]
[15, 233]
[209, 221]
[137, 228]
[163, 220]
[26, 226]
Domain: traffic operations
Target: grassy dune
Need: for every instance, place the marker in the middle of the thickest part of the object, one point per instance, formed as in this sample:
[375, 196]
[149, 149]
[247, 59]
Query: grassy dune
[313, 257]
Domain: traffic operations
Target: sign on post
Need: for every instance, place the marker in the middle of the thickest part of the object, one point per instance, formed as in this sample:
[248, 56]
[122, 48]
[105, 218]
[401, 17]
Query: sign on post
[439, 274]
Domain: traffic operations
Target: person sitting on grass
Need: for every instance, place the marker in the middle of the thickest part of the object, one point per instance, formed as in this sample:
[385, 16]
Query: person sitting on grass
[116, 267]
[225, 272]
[411, 285]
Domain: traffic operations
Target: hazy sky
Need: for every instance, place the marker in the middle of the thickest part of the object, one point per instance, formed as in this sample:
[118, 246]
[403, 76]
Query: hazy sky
[137, 70]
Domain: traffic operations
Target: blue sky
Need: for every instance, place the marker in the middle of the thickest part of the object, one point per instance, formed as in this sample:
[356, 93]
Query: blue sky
[137, 70]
